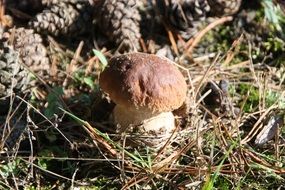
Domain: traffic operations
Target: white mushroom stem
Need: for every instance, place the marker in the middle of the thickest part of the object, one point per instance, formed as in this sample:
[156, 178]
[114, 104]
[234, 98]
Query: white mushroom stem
[143, 120]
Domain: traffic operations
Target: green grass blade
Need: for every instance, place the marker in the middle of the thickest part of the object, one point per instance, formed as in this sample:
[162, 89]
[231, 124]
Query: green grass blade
[101, 57]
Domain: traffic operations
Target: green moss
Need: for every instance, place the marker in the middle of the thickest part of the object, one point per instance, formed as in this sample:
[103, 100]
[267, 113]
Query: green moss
[252, 94]
[222, 183]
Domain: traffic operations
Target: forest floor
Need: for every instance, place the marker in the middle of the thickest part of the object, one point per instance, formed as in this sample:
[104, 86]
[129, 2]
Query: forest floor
[230, 132]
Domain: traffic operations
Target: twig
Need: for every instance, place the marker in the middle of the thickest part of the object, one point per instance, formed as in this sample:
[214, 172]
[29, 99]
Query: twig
[256, 126]
[172, 40]
[95, 135]
[192, 43]
[49, 172]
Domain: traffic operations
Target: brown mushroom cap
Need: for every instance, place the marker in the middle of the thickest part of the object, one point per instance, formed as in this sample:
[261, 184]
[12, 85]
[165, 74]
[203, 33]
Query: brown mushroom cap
[144, 80]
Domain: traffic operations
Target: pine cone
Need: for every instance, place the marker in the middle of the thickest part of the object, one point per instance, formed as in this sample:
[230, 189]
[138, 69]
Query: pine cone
[21, 48]
[224, 7]
[67, 17]
[182, 14]
[13, 76]
[119, 19]
[54, 2]
[30, 48]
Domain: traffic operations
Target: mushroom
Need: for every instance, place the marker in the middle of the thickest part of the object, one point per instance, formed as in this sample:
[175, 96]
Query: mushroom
[146, 89]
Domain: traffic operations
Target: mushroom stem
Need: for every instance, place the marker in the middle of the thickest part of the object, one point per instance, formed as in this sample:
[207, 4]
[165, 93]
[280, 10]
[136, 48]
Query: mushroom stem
[143, 120]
